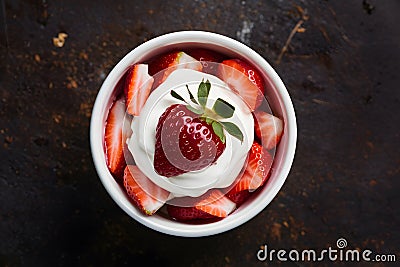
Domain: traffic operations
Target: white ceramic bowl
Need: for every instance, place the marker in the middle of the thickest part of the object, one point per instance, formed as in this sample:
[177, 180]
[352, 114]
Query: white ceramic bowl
[278, 99]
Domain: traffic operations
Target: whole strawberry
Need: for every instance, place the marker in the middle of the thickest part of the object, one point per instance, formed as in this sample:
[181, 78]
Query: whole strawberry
[189, 145]
[189, 137]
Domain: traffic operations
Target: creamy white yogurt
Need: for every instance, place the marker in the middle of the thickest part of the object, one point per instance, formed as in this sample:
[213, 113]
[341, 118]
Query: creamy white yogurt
[223, 172]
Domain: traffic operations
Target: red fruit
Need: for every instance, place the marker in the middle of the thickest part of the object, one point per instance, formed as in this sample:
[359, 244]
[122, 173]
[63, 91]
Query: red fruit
[187, 213]
[257, 169]
[206, 56]
[238, 197]
[113, 139]
[138, 85]
[167, 63]
[268, 128]
[216, 204]
[244, 79]
[184, 142]
[146, 195]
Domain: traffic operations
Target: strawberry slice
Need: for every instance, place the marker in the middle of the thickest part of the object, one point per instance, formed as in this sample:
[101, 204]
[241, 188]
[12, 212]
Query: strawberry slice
[268, 128]
[244, 79]
[187, 213]
[146, 195]
[167, 63]
[205, 56]
[113, 139]
[216, 204]
[238, 197]
[138, 85]
[257, 169]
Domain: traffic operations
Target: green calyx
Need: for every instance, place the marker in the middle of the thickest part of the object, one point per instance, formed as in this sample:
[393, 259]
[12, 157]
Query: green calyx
[220, 110]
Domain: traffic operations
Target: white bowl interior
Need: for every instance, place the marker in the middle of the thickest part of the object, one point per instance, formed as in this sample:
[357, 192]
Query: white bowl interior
[278, 99]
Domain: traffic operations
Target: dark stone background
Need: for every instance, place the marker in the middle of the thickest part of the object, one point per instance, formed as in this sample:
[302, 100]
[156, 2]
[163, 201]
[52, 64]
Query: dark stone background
[342, 73]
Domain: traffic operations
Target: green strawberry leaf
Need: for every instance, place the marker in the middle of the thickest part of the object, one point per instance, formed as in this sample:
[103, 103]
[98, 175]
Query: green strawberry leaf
[218, 130]
[191, 96]
[223, 108]
[177, 96]
[203, 91]
[233, 130]
[194, 110]
[208, 84]
[209, 120]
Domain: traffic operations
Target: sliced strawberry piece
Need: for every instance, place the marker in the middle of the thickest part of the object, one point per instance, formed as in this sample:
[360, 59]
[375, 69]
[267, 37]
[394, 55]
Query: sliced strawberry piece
[257, 169]
[187, 213]
[113, 139]
[147, 196]
[216, 204]
[167, 63]
[205, 56]
[238, 197]
[138, 85]
[268, 128]
[162, 62]
[244, 79]
[126, 133]
[245, 183]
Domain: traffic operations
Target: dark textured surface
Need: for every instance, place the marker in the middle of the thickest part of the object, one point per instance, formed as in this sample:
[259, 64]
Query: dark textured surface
[342, 75]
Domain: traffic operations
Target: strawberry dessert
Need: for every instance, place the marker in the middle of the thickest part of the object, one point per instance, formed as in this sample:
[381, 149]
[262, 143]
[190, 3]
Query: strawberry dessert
[190, 135]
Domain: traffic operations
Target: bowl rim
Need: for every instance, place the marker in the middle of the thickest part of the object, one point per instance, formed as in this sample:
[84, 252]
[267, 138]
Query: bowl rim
[103, 100]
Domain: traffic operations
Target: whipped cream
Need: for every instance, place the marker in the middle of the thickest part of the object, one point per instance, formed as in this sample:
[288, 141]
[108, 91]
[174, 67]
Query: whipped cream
[228, 166]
